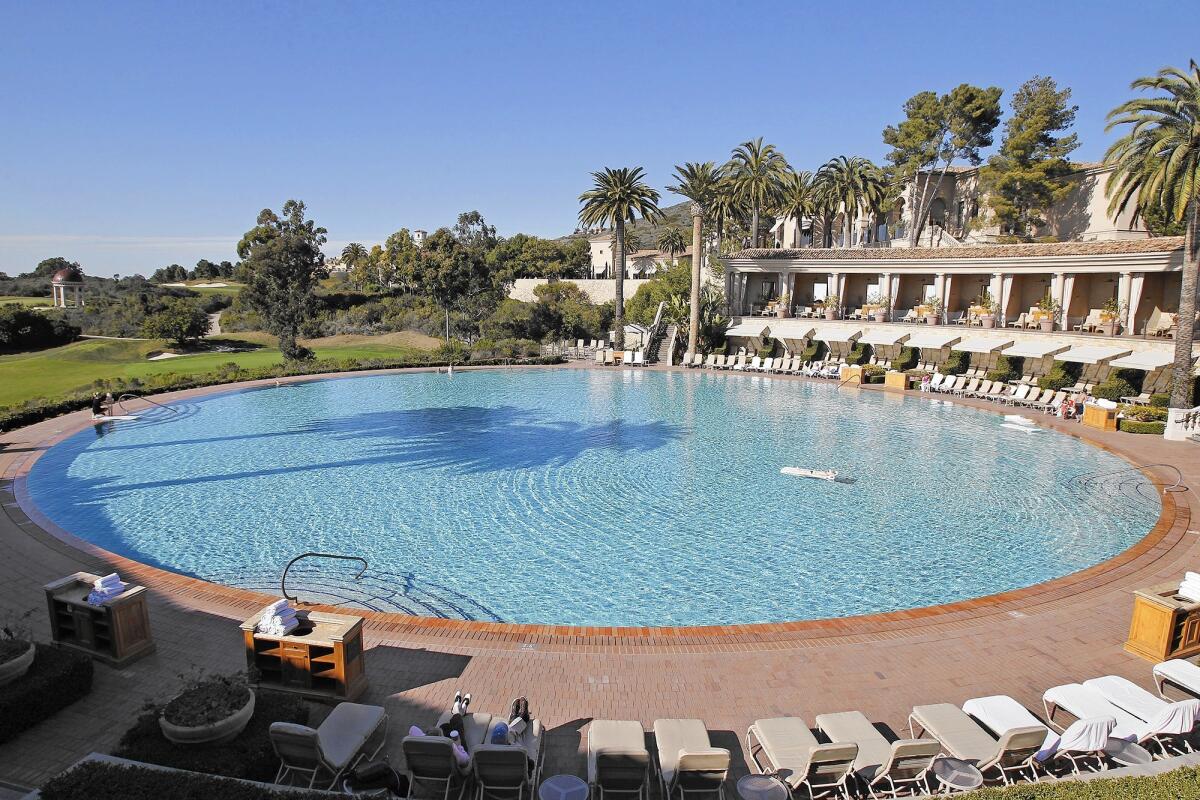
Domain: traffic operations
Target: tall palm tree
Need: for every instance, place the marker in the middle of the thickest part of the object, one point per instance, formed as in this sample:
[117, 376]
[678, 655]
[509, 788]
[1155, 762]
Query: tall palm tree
[671, 241]
[828, 201]
[725, 206]
[353, 254]
[857, 183]
[798, 200]
[757, 171]
[1157, 167]
[698, 182]
[618, 196]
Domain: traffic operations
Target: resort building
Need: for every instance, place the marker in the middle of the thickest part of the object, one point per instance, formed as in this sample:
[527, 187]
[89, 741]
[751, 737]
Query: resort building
[958, 215]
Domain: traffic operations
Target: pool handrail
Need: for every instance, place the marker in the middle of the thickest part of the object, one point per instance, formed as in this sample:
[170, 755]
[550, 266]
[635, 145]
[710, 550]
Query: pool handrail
[283, 580]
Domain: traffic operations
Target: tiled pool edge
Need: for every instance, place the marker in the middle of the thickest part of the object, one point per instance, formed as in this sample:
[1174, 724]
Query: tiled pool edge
[1164, 537]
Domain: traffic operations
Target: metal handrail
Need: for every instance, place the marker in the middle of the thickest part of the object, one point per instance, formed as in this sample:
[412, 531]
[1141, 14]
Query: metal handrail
[283, 580]
[1177, 486]
[121, 402]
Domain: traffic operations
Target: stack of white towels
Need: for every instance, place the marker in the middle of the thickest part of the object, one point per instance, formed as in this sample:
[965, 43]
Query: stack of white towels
[278, 619]
[105, 588]
[1190, 588]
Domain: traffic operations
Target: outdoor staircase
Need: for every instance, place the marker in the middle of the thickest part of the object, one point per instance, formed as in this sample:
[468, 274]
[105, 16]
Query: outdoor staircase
[666, 345]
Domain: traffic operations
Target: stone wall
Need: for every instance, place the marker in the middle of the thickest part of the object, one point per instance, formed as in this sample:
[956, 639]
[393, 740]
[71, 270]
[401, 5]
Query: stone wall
[599, 291]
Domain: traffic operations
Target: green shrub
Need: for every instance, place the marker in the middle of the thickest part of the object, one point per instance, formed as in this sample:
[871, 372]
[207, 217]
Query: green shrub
[98, 781]
[1160, 400]
[1062, 375]
[1135, 426]
[55, 680]
[907, 359]
[247, 756]
[1144, 413]
[1113, 389]
[957, 363]
[1182, 784]
[859, 355]
[814, 352]
[1008, 368]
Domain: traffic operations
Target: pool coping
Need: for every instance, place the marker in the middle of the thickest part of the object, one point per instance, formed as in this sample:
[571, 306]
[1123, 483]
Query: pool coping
[1167, 533]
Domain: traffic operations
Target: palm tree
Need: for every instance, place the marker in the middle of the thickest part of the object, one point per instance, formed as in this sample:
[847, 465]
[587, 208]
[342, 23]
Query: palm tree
[725, 206]
[827, 202]
[1157, 166]
[671, 241]
[618, 196]
[353, 254]
[698, 182]
[798, 200]
[757, 171]
[856, 183]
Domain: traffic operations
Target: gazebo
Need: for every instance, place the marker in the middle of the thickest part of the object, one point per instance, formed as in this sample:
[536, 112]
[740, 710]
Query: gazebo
[67, 283]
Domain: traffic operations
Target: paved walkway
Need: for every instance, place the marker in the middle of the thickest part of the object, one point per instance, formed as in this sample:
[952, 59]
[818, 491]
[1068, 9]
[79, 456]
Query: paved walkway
[1018, 644]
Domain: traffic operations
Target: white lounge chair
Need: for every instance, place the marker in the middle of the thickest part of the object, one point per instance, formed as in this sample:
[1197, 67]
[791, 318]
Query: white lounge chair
[786, 747]
[617, 758]
[639, 359]
[963, 738]
[1084, 702]
[349, 734]
[1169, 723]
[1082, 740]
[1177, 672]
[687, 761]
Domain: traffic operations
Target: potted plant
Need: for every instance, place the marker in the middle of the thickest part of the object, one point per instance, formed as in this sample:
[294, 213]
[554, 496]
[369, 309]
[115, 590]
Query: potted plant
[783, 306]
[17, 650]
[879, 307]
[1110, 317]
[214, 708]
[935, 311]
[1048, 311]
[831, 306]
[988, 306]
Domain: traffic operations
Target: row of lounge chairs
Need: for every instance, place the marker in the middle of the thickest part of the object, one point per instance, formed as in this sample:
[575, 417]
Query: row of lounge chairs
[784, 365]
[996, 734]
[624, 358]
[1025, 395]
[1004, 740]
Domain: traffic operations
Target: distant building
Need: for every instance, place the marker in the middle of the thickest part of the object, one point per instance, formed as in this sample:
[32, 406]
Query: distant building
[419, 236]
[66, 286]
[336, 266]
[641, 264]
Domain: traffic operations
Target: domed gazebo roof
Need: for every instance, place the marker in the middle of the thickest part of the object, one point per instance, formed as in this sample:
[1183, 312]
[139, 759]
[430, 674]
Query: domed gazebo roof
[68, 275]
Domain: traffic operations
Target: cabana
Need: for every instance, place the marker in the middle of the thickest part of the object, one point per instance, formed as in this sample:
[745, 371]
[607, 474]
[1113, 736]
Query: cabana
[1037, 354]
[885, 342]
[794, 333]
[984, 351]
[933, 345]
[1095, 358]
[749, 333]
[839, 338]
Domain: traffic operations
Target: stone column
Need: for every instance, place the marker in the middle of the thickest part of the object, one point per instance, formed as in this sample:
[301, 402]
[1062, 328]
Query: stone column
[939, 286]
[1124, 285]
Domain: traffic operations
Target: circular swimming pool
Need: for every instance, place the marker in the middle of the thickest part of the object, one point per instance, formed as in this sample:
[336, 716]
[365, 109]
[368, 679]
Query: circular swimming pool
[595, 497]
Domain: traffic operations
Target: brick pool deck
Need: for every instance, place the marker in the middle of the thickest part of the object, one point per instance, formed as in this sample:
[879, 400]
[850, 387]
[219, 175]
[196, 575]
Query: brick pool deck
[1018, 643]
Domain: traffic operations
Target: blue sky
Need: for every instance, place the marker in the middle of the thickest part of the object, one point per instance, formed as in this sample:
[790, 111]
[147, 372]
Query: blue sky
[139, 134]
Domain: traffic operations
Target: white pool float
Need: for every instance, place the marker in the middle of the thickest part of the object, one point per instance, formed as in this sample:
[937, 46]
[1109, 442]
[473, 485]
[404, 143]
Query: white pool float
[801, 472]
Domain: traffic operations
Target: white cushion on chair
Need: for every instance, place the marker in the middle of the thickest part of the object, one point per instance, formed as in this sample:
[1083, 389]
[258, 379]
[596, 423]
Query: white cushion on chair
[345, 731]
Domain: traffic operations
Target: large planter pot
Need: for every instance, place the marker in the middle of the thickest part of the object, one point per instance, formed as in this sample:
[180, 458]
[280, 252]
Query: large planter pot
[987, 321]
[830, 313]
[219, 731]
[931, 319]
[783, 313]
[1107, 328]
[16, 667]
[1047, 325]
[880, 316]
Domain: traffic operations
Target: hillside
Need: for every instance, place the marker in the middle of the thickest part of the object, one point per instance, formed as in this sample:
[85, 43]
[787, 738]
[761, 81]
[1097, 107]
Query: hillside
[676, 216]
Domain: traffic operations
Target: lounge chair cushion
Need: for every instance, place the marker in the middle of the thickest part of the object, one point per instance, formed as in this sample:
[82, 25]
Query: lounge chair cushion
[346, 730]
[787, 743]
[874, 750]
[1085, 702]
[957, 732]
[1085, 735]
[1001, 714]
[675, 735]
[476, 726]
[1124, 693]
[619, 738]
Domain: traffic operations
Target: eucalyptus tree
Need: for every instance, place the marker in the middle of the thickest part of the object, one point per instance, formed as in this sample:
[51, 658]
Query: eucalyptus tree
[757, 171]
[1157, 169]
[798, 200]
[699, 183]
[618, 196]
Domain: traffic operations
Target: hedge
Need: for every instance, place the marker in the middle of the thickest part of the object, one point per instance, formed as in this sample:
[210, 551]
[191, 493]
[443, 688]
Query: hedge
[1182, 784]
[1062, 375]
[1160, 400]
[100, 781]
[55, 680]
[1008, 368]
[908, 358]
[1144, 413]
[38, 410]
[248, 756]
[1114, 389]
[814, 352]
[860, 354]
[1136, 426]
[956, 364]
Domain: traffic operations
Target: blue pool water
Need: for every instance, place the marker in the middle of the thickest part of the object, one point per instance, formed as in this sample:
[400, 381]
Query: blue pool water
[596, 497]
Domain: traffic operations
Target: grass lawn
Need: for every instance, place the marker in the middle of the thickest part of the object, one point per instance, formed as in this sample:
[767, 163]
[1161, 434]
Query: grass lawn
[13, 300]
[61, 370]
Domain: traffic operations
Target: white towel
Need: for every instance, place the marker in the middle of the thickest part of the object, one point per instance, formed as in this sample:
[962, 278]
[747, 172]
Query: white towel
[1192, 576]
[1189, 592]
[275, 607]
[101, 595]
[110, 581]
